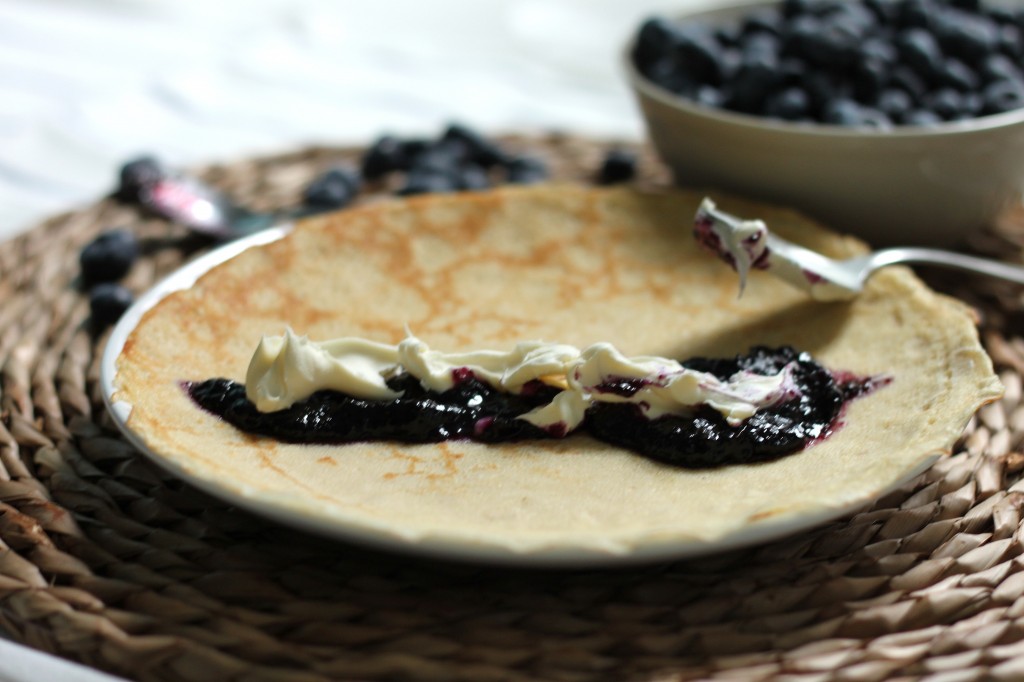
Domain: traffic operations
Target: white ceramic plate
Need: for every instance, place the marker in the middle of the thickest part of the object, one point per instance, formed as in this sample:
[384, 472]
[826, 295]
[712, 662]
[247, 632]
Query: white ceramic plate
[560, 503]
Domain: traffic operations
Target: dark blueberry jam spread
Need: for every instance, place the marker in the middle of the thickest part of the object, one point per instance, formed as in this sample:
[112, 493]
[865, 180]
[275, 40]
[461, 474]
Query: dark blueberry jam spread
[475, 411]
[469, 410]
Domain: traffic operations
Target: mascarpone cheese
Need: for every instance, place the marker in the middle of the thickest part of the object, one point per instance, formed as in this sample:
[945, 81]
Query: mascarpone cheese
[288, 369]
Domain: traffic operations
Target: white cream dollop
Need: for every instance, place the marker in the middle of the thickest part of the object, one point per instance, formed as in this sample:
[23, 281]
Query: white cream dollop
[740, 243]
[288, 369]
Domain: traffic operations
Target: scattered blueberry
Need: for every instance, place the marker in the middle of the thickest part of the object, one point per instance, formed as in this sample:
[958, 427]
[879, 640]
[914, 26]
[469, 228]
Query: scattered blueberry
[443, 157]
[107, 302]
[619, 165]
[334, 189]
[472, 177]
[478, 149]
[109, 256]
[524, 170]
[944, 55]
[385, 155]
[137, 174]
[427, 181]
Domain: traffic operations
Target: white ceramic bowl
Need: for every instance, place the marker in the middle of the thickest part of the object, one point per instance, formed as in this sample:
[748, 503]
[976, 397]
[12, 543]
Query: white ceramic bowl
[906, 185]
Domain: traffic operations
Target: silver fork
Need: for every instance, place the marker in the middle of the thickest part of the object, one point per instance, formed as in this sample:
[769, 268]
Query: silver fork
[748, 245]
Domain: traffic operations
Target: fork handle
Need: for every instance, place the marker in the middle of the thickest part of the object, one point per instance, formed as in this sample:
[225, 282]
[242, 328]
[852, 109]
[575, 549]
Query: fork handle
[949, 259]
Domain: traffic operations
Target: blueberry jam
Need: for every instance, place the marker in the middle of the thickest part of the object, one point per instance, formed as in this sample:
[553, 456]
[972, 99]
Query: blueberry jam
[705, 439]
[475, 411]
[469, 410]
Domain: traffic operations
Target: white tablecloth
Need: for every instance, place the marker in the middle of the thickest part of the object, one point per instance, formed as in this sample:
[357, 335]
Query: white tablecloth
[85, 85]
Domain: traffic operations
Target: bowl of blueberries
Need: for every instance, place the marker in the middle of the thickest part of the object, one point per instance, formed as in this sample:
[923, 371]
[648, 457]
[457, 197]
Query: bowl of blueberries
[899, 121]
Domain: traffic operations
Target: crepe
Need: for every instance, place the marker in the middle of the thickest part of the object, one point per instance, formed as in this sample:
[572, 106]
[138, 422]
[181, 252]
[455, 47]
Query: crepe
[566, 264]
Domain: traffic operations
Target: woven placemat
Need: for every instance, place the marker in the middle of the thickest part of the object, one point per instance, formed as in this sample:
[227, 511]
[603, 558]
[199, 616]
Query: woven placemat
[107, 560]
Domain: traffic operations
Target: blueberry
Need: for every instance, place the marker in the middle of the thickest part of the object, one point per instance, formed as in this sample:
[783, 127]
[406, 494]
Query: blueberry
[666, 73]
[334, 189]
[880, 50]
[523, 170]
[426, 181]
[792, 71]
[871, 117]
[109, 256]
[965, 35]
[472, 177]
[885, 10]
[921, 117]
[1004, 95]
[946, 103]
[799, 33]
[791, 104]
[1000, 15]
[757, 77]
[822, 88]
[619, 165]
[137, 174]
[997, 67]
[700, 56]
[973, 6]
[107, 302]
[411, 148]
[795, 8]
[915, 13]
[834, 45]
[905, 78]
[972, 104]
[895, 103]
[921, 52]
[386, 155]
[478, 148]
[1011, 41]
[959, 76]
[708, 95]
[846, 112]
[728, 36]
[841, 111]
[657, 37]
[763, 21]
[855, 16]
[869, 77]
[442, 157]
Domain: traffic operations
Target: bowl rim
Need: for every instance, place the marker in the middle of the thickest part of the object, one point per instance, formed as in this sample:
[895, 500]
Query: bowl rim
[648, 88]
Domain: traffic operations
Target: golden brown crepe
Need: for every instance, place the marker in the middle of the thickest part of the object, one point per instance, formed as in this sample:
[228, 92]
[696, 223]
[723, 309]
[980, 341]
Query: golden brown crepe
[566, 264]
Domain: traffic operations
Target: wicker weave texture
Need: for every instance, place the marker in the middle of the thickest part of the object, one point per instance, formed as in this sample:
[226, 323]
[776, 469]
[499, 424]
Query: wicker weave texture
[107, 560]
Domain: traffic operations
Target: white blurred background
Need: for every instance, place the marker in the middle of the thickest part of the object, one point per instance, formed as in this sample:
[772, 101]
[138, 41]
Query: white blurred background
[84, 84]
